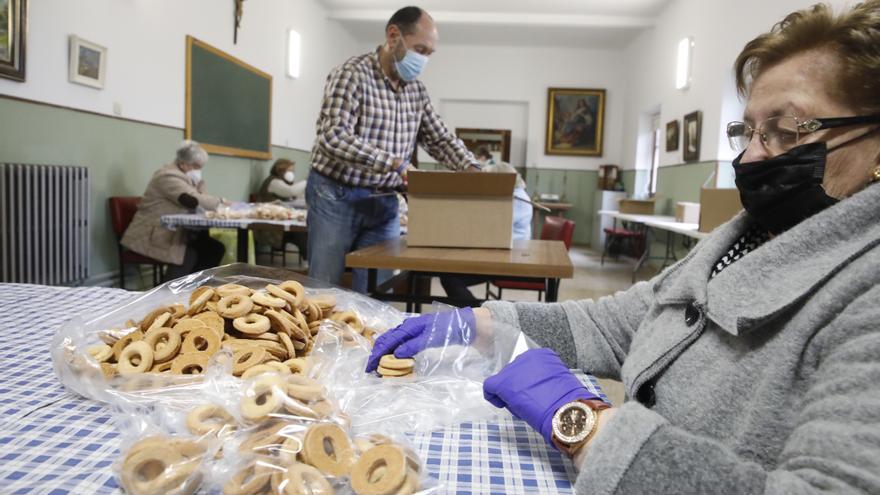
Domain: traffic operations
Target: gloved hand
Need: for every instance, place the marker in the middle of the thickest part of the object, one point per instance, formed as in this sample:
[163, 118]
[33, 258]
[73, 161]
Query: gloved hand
[456, 327]
[533, 387]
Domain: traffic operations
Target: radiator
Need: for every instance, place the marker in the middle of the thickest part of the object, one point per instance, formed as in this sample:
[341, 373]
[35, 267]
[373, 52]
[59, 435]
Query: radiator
[44, 221]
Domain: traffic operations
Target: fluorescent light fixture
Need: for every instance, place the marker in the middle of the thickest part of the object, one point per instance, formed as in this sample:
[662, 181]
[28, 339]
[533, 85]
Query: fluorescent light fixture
[683, 67]
[293, 51]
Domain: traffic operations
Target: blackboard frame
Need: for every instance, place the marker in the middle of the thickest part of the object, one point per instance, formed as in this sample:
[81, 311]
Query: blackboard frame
[216, 147]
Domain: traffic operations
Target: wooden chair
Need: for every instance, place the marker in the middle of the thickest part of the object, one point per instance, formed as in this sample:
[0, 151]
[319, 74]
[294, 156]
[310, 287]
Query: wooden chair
[554, 229]
[122, 210]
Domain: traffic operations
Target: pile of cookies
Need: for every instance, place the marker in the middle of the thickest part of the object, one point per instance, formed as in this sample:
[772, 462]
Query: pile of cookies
[259, 211]
[393, 367]
[271, 327]
[290, 460]
[162, 464]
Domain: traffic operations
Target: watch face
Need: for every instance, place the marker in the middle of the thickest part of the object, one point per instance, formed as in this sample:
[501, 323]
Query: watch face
[573, 422]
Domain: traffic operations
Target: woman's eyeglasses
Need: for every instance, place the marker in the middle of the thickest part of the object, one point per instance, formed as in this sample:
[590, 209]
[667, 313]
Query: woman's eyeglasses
[780, 134]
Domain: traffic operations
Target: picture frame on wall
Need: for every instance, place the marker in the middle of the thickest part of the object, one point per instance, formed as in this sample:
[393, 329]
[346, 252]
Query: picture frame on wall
[13, 38]
[672, 137]
[575, 121]
[88, 62]
[693, 123]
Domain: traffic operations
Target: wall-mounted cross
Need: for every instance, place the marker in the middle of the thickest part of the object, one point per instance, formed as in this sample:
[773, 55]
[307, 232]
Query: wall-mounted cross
[239, 11]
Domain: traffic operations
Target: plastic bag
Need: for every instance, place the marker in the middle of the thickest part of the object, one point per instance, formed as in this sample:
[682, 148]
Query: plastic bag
[82, 348]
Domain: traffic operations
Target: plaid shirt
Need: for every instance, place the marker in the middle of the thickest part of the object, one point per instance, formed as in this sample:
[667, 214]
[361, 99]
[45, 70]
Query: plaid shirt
[365, 124]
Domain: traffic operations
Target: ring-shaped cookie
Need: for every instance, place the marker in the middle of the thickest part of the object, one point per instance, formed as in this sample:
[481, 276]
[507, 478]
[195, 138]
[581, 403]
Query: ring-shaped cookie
[212, 320]
[264, 368]
[252, 324]
[304, 388]
[182, 479]
[303, 479]
[325, 301]
[137, 357]
[262, 398]
[290, 448]
[350, 319]
[233, 290]
[234, 306]
[246, 357]
[250, 480]
[100, 352]
[148, 320]
[288, 344]
[162, 367]
[386, 373]
[209, 418]
[123, 342]
[165, 343]
[264, 439]
[365, 480]
[297, 366]
[268, 300]
[199, 299]
[190, 363]
[280, 293]
[177, 311]
[185, 325]
[145, 466]
[389, 361]
[201, 340]
[312, 312]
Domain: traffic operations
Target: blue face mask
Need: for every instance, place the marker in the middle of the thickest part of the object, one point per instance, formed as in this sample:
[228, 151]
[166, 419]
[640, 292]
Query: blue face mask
[412, 64]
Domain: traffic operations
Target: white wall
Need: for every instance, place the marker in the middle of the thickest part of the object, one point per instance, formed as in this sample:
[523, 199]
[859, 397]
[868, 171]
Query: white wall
[720, 30]
[146, 43]
[510, 115]
[484, 74]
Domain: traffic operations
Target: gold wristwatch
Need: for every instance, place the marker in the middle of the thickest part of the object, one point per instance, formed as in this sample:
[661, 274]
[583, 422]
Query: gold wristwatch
[575, 423]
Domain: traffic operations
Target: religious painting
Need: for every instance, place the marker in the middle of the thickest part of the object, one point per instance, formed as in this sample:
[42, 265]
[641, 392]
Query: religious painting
[13, 38]
[575, 121]
[693, 123]
[672, 136]
[88, 63]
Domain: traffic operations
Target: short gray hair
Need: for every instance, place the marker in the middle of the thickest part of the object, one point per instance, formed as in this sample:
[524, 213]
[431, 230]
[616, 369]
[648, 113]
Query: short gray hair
[191, 152]
[505, 168]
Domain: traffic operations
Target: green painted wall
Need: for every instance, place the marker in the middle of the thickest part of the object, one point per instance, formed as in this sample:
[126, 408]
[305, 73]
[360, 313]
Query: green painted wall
[121, 156]
[680, 183]
[577, 187]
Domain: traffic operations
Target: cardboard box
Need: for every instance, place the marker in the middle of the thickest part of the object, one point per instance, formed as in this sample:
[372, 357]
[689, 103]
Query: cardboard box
[687, 212]
[717, 206]
[637, 206]
[460, 209]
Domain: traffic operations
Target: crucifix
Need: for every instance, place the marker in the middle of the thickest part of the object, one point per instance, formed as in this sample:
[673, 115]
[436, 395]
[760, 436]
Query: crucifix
[239, 10]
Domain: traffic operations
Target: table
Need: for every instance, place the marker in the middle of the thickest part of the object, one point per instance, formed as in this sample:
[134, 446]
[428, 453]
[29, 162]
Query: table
[242, 225]
[547, 261]
[52, 441]
[661, 222]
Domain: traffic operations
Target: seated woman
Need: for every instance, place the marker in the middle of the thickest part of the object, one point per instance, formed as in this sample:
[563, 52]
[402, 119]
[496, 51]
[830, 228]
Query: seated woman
[752, 365]
[456, 286]
[176, 188]
[280, 186]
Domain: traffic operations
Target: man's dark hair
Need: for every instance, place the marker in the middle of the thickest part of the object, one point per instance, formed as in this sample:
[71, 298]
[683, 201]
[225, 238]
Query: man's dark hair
[405, 19]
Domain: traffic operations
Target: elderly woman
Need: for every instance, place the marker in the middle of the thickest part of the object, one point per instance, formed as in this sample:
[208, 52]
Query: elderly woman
[175, 188]
[753, 365]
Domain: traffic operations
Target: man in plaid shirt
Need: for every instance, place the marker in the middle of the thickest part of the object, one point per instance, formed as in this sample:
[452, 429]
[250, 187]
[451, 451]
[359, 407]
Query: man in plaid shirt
[374, 112]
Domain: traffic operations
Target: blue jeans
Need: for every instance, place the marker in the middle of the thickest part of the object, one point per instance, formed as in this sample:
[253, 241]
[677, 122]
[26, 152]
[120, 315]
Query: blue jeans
[342, 219]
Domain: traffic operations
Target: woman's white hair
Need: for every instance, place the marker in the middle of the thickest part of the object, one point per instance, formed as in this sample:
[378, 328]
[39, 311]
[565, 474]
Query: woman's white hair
[505, 168]
[191, 152]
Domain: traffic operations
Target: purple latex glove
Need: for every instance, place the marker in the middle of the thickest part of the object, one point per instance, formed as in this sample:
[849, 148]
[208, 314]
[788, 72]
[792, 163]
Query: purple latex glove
[533, 387]
[456, 327]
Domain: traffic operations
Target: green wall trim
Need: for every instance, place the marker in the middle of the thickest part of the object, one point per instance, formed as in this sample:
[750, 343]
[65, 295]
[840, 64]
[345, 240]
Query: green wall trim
[122, 156]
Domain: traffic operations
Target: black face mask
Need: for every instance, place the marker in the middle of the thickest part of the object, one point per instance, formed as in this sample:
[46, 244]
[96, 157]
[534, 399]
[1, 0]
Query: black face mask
[780, 192]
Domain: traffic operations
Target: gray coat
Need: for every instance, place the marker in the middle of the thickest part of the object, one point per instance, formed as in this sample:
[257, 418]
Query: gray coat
[771, 386]
[145, 234]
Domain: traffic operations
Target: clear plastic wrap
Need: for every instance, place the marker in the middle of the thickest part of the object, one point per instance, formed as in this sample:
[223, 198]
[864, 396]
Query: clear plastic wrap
[236, 426]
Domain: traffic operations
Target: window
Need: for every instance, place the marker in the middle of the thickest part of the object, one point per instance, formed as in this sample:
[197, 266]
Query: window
[655, 154]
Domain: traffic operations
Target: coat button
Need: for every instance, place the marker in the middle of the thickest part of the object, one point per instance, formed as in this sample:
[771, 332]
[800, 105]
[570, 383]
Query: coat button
[691, 314]
[646, 395]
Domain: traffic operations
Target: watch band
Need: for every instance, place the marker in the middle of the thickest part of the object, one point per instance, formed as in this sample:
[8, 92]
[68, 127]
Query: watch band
[571, 449]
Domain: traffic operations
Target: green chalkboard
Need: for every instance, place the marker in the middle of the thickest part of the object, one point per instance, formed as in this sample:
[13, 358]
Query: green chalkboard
[228, 103]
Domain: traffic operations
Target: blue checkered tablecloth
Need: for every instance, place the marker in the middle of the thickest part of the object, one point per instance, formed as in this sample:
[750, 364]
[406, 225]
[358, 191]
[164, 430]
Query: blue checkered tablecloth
[52, 441]
[195, 220]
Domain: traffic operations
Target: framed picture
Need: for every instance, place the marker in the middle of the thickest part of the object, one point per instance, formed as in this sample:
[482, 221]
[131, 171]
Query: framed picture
[13, 38]
[575, 120]
[693, 123]
[672, 136]
[88, 62]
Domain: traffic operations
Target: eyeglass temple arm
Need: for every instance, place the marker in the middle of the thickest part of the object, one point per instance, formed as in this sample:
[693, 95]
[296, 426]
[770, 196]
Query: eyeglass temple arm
[828, 123]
